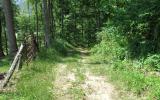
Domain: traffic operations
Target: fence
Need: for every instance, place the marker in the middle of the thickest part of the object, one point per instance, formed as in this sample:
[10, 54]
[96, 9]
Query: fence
[28, 50]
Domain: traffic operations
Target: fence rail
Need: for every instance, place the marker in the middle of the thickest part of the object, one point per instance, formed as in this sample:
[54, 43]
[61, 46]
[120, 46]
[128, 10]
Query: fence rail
[15, 64]
[27, 49]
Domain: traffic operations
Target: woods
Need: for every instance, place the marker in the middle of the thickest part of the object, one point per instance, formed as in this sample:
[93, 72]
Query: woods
[124, 35]
[72, 21]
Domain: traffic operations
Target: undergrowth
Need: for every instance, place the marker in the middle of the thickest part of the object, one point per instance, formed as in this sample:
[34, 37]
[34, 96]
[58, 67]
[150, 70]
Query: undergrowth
[137, 75]
[36, 80]
[4, 65]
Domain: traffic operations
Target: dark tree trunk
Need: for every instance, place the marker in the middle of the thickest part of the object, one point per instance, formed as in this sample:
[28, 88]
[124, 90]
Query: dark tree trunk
[4, 33]
[37, 26]
[62, 17]
[52, 19]
[10, 27]
[46, 24]
[6, 44]
[29, 18]
[1, 45]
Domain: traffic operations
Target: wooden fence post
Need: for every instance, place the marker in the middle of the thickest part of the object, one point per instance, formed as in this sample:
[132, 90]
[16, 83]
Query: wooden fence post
[18, 63]
[12, 68]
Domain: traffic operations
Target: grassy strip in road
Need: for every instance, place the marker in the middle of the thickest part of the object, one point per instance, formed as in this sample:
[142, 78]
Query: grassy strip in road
[74, 65]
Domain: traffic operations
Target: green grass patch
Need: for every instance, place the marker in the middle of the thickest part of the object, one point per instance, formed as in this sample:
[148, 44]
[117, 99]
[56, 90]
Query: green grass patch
[4, 65]
[36, 80]
[141, 85]
[77, 92]
[74, 65]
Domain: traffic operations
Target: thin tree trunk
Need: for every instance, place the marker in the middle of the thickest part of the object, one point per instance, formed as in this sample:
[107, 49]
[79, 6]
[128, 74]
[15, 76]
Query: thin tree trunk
[96, 15]
[1, 45]
[52, 18]
[3, 24]
[36, 13]
[98, 19]
[29, 17]
[10, 27]
[46, 24]
[6, 44]
[82, 24]
[62, 18]
[75, 26]
[50, 15]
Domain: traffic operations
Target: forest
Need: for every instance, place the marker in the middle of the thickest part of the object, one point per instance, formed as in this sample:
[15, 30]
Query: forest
[79, 50]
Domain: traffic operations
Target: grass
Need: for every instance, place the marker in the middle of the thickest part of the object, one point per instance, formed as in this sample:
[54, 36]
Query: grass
[74, 65]
[130, 80]
[35, 82]
[131, 76]
[4, 65]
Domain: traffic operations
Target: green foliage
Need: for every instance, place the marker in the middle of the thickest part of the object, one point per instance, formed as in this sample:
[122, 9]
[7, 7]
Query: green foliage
[4, 65]
[36, 80]
[137, 22]
[61, 46]
[111, 46]
[130, 80]
[129, 43]
[153, 61]
[130, 32]
[25, 23]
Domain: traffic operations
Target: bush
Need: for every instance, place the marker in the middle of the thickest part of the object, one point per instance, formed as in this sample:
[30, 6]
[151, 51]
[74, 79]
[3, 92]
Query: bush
[110, 46]
[153, 61]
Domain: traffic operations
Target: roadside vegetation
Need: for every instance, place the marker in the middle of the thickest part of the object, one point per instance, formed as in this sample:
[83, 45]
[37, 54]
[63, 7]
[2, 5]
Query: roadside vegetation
[35, 80]
[121, 36]
[4, 65]
[130, 62]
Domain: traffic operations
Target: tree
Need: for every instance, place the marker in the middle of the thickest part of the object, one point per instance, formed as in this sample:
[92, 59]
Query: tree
[62, 16]
[37, 26]
[46, 23]
[1, 46]
[8, 12]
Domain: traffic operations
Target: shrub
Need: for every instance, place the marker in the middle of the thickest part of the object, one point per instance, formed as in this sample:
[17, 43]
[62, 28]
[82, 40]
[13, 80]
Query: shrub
[110, 46]
[153, 61]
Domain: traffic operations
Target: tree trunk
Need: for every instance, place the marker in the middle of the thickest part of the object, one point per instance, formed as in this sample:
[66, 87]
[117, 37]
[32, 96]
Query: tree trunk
[1, 46]
[10, 27]
[52, 19]
[46, 24]
[6, 44]
[29, 18]
[37, 26]
[62, 17]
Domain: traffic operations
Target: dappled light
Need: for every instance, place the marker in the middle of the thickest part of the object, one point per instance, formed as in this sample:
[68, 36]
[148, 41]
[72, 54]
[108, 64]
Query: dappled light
[79, 50]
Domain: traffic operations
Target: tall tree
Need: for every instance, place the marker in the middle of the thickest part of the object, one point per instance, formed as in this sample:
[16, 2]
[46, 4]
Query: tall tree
[52, 19]
[8, 11]
[62, 16]
[46, 23]
[37, 26]
[1, 46]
